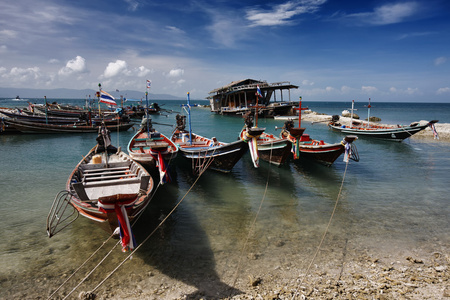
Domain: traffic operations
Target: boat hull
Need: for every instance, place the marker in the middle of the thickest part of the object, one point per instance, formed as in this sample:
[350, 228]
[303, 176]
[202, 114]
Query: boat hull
[122, 180]
[33, 127]
[397, 134]
[270, 148]
[315, 150]
[208, 153]
[144, 148]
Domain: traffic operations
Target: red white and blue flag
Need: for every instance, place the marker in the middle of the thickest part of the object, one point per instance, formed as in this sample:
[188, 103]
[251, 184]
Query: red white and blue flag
[149, 83]
[107, 98]
[258, 91]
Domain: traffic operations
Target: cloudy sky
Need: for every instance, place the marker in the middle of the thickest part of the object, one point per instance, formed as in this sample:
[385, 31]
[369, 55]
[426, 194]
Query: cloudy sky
[332, 49]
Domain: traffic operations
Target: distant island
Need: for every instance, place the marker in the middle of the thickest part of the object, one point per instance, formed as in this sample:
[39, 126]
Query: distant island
[77, 94]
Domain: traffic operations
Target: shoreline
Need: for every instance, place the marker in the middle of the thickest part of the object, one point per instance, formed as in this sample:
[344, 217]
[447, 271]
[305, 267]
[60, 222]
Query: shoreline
[443, 129]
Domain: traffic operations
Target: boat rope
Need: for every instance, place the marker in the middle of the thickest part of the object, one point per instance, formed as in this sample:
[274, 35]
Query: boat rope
[99, 248]
[142, 243]
[250, 231]
[150, 235]
[325, 232]
[82, 265]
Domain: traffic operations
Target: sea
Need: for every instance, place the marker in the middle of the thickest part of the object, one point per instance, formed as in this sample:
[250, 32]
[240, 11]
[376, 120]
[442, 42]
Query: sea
[220, 229]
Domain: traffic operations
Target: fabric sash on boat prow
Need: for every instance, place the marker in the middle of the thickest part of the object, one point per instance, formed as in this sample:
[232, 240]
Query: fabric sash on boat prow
[119, 204]
[162, 167]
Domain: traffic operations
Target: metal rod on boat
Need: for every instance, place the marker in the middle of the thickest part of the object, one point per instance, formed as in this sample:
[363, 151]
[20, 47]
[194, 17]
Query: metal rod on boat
[146, 101]
[46, 113]
[189, 117]
[351, 116]
[368, 114]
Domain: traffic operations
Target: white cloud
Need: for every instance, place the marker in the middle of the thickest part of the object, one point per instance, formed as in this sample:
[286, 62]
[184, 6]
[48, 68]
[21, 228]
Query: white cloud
[307, 82]
[76, 65]
[175, 73]
[23, 75]
[346, 89]
[368, 89]
[412, 91]
[283, 13]
[440, 60]
[132, 5]
[443, 90]
[388, 13]
[142, 71]
[174, 29]
[115, 68]
[393, 90]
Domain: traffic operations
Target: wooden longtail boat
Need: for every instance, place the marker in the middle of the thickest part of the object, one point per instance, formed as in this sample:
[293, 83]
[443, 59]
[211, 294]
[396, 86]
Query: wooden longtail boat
[390, 133]
[305, 147]
[370, 130]
[152, 149]
[106, 186]
[270, 148]
[37, 127]
[205, 153]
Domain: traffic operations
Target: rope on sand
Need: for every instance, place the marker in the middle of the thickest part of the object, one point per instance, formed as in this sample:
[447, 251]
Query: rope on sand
[325, 233]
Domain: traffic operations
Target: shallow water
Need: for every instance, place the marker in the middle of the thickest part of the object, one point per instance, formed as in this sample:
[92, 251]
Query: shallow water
[393, 200]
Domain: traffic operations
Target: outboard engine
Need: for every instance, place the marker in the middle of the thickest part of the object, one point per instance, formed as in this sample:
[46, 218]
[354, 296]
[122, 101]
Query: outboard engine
[335, 118]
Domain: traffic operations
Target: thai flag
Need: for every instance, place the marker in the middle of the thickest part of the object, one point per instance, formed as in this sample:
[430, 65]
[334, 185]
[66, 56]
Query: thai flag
[149, 83]
[258, 91]
[107, 98]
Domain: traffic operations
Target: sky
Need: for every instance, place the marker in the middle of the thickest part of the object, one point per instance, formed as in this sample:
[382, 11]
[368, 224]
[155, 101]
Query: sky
[389, 51]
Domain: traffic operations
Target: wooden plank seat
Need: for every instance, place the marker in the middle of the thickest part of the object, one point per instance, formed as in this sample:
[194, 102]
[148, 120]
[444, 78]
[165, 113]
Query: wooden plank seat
[205, 144]
[91, 191]
[100, 167]
[151, 144]
[123, 181]
[94, 171]
[108, 177]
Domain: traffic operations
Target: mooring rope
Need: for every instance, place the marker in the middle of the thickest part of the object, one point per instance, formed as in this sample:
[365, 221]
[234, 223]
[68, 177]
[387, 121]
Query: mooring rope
[82, 265]
[326, 230]
[253, 223]
[148, 237]
[98, 249]
[143, 242]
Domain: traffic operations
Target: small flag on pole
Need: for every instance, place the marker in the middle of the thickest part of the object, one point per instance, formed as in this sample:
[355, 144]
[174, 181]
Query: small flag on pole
[258, 91]
[149, 83]
[107, 98]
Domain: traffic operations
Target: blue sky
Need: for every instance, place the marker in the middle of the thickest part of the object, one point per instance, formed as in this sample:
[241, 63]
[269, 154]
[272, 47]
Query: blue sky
[333, 50]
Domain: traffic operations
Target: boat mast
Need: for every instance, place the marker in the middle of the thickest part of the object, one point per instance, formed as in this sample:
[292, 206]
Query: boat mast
[258, 95]
[300, 112]
[46, 112]
[351, 115]
[368, 114]
[149, 83]
[189, 117]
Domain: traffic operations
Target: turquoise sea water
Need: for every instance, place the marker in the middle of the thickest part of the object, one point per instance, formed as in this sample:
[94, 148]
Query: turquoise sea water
[395, 199]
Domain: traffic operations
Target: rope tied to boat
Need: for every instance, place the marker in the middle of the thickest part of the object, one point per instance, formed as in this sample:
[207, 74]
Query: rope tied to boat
[254, 222]
[131, 253]
[99, 248]
[325, 232]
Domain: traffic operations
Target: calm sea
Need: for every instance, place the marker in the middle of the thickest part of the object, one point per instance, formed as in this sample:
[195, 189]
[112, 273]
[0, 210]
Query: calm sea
[395, 199]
